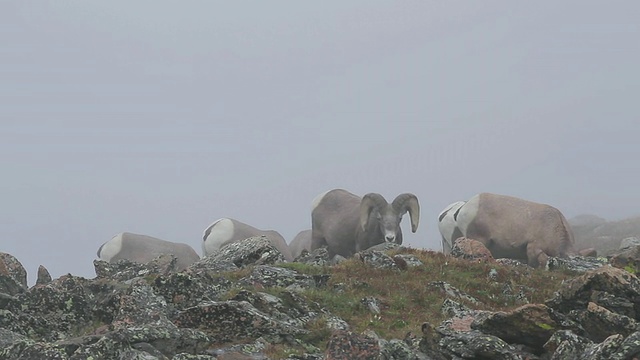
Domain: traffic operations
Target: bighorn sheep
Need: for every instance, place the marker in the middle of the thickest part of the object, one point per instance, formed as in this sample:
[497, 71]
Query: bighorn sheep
[226, 231]
[447, 225]
[515, 228]
[302, 241]
[142, 249]
[347, 223]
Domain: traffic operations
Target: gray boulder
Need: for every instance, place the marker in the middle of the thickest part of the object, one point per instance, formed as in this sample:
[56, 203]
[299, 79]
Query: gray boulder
[13, 276]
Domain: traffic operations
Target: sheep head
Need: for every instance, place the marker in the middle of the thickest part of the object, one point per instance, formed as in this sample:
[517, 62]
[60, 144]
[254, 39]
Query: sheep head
[388, 216]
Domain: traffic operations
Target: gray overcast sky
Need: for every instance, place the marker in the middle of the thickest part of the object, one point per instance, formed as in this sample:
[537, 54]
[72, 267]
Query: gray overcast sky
[160, 117]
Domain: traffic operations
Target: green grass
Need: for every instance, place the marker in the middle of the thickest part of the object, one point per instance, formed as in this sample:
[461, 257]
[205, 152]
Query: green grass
[406, 299]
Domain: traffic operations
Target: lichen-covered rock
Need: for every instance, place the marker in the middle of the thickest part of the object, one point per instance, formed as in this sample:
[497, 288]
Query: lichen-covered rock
[7, 301]
[458, 323]
[409, 260]
[271, 276]
[627, 259]
[336, 323]
[13, 276]
[123, 270]
[514, 264]
[8, 337]
[56, 310]
[317, 257]
[249, 351]
[43, 276]
[384, 246]
[430, 339]
[348, 345]
[164, 336]
[576, 293]
[148, 351]
[396, 349]
[186, 356]
[629, 348]
[575, 263]
[566, 345]
[190, 287]
[372, 303]
[11, 267]
[619, 305]
[233, 321]
[377, 259]
[212, 265]
[452, 308]
[96, 347]
[530, 325]
[603, 350]
[139, 305]
[256, 250]
[8, 285]
[520, 295]
[30, 350]
[471, 249]
[295, 312]
[452, 291]
[600, 323]
[476, 345]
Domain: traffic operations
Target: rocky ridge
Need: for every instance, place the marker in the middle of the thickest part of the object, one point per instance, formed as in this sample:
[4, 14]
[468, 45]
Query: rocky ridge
[152, 311]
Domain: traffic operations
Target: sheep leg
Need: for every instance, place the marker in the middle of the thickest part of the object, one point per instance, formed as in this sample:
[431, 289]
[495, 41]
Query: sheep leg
[317, 242]
[535, 256]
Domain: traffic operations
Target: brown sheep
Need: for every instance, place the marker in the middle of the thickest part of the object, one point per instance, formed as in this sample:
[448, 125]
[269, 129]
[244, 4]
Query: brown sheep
[515, 228]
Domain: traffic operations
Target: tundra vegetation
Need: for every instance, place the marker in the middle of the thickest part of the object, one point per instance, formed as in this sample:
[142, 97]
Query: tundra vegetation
[406, 297]
[246, 297]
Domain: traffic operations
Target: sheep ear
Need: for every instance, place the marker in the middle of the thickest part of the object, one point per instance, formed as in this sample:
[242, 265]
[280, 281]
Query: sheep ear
[408, 203]
[368, 203]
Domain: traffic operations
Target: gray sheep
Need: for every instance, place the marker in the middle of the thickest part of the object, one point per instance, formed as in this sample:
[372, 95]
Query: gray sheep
[301, 242]
[142, 249]
[226, 231]
[347, 223]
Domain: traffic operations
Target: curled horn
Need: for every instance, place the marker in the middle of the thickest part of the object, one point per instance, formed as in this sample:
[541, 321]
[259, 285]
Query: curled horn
[369, 202]
[408, 202]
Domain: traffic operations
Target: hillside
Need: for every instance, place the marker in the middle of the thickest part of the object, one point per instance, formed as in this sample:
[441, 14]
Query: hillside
[603, 235]
[245, 303]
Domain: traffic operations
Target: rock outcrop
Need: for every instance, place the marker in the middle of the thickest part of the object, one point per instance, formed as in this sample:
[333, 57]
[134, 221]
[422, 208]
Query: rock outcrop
[241, 302]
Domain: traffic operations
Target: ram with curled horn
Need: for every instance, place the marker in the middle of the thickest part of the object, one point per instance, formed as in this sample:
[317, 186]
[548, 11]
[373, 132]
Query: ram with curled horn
[346, 223]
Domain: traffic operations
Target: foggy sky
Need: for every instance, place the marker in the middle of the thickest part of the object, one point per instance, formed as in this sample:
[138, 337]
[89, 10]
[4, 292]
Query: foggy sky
[159, 117]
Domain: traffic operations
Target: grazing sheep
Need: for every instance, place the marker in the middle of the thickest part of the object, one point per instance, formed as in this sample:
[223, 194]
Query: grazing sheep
[142, 249]
[347, 223]
[447, 225]
[515, 228]
[302, 241]
[226, 231]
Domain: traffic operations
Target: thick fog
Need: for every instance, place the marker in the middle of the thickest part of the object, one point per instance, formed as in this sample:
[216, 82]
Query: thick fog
[159, 117]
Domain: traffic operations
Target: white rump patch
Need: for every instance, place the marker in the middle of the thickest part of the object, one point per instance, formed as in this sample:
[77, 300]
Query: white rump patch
[447, 225]
[468, 213]
[452, 208]
[111, 248]
[220, 232]
[317, 199]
